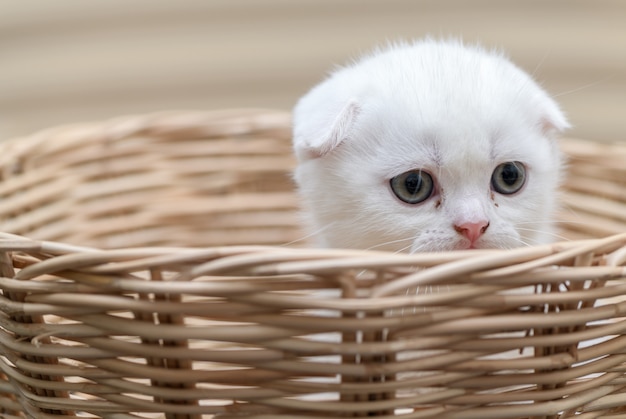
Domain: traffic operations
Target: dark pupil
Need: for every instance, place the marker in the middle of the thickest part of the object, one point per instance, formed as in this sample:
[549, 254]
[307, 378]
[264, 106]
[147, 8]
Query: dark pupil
[413, 183]
[510, 174]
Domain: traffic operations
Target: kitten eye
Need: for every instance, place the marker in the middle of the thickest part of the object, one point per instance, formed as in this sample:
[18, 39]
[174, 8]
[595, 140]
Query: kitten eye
[508, 177]
[412, 187]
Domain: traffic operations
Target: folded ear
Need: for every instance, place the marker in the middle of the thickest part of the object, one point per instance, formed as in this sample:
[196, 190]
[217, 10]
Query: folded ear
[553, 120]
[320, 126]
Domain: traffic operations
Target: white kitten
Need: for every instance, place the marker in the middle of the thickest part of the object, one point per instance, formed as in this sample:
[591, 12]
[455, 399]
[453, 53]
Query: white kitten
[427, 147]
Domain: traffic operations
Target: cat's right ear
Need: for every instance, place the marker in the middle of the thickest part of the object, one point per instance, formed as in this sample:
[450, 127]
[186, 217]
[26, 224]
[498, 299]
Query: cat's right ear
[320, 127]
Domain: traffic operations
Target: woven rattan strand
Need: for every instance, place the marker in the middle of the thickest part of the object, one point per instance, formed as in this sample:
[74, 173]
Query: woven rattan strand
[153, 267]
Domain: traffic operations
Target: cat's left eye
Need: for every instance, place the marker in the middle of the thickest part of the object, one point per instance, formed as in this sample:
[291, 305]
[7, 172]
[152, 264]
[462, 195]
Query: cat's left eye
[508, 177]
[413, 187]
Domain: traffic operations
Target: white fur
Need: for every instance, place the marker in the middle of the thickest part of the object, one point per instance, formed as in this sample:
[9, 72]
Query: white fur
[456, 111]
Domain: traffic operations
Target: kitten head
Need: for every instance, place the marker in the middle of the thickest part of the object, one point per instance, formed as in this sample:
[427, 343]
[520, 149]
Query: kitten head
[427, 147]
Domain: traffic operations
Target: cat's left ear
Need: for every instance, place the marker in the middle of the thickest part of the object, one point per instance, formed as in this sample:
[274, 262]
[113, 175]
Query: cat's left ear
[553, 121]
[320, 127]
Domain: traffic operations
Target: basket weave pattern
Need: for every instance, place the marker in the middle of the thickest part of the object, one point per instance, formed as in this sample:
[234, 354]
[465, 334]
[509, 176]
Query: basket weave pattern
[145, 275]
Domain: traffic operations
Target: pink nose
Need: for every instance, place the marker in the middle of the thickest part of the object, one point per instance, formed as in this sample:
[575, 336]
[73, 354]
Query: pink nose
[472, 230]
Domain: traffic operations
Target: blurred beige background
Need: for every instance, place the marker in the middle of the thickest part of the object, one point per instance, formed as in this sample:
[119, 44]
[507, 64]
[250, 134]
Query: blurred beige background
[71, 60]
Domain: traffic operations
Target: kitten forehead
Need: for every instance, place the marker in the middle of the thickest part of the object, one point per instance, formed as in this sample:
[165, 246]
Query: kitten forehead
[399, 143]
[462, 150]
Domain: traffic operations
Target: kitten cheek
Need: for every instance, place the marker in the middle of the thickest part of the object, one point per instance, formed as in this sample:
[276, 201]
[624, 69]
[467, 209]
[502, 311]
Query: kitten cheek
[502, 236]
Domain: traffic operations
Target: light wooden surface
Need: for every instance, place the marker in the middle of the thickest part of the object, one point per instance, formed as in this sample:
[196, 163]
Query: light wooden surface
[72, 60]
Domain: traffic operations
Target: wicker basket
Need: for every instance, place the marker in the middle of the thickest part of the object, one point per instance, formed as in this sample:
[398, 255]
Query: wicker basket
[139, 282]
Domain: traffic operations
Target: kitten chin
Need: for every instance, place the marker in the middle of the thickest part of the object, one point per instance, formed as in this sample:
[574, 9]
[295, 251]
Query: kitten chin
[429, 146]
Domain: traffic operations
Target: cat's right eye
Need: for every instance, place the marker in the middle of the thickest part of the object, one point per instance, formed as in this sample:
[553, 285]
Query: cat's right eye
[413, 187]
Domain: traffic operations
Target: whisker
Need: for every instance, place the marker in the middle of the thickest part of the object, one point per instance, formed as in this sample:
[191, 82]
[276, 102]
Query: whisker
[540, 63]
[305, 237]
[403, 249]
[391, 242]
[586, 86]
[552, 222]
[524, 243]
[549, 233]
